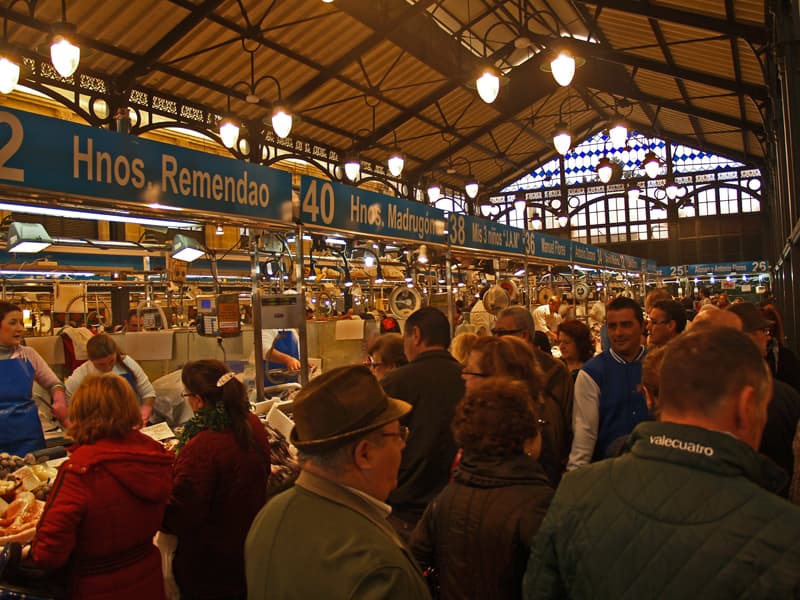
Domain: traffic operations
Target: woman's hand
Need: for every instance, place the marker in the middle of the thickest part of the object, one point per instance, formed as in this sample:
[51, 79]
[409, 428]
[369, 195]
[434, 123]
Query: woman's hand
[60, 405]
[147, 411]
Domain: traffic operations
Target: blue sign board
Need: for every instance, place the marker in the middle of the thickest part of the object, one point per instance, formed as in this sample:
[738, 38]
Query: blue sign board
[632, 263]
[585, 254]
[542, 245]
[43, 153]
[345, 208]
[482, 234]
[724, 269]
[651, 266]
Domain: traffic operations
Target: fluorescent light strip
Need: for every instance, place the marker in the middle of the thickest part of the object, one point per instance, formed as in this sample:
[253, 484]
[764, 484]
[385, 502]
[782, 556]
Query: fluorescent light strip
[47, 273]
[92, 216]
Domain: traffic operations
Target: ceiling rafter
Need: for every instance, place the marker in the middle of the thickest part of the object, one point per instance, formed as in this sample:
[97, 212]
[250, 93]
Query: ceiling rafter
[755, 34]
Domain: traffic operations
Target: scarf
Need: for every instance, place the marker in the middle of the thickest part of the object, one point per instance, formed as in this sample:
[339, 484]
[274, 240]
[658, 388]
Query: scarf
[215, 418]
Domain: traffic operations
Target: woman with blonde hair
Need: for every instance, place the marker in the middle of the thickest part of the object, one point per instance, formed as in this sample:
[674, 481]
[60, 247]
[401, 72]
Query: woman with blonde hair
[511, 357]
[462, 344]
[108, 499]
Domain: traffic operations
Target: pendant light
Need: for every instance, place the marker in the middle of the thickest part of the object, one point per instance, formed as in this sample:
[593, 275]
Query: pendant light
[471, 188]
[619, 135]
[9, 73]
[671, 189]
[633, 193]
[434, 192]
[651, 165]
[229, 131]
[396, 163]
[488, 85]
[352, 166]
[562, 220]
[562, 139]
[605, 169]
[563, 68]
[281, 122]
[64, 55]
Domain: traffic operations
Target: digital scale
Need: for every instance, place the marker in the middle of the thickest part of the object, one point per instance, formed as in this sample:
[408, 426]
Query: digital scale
[218, 315]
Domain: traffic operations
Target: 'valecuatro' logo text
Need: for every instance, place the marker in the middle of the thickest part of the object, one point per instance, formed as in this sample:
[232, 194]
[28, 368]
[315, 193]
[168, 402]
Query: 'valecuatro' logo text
[668, 442]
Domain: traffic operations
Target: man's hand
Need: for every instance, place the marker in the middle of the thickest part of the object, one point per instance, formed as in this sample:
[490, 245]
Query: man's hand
[60, 405]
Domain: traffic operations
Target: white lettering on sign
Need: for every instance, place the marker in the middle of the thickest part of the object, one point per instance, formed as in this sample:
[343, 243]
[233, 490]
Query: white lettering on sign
[585, 254]
[420, 226]
[198, 184]
[554, 248]
[322, 207]
[10, 148]
[101, 167]
[456, 229]
[362, 213]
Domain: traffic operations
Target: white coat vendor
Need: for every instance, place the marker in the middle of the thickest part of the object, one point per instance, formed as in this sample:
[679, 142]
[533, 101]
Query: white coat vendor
[105, 357]
[20, 366]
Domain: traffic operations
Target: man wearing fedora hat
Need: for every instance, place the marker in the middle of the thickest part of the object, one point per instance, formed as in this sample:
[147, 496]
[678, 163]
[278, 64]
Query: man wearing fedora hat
[327, 536]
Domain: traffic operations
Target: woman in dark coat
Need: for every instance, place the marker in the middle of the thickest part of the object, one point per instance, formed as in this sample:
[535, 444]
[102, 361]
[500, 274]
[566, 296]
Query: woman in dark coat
[220, 483]
[476, 534]
[108, 499]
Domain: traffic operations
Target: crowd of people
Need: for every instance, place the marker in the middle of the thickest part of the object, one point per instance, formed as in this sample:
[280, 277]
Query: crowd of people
[474, 467]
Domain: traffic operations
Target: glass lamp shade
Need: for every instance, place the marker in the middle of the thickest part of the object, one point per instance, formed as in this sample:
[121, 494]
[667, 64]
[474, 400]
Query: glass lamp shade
[9, 75]
[434, 192]
[352, 168]
[422, 255]
[520, 206]
[651, 165]
[488, 86]
[563, 68]
[281, 122]
[604, 170]
[562, 139]
[485, 209]
[396, 163]
[619, 135]
[536, 223]
[562, 220]
[65, 56]
[229, 132]
[471, 188]
[671, 190]
[633, 193]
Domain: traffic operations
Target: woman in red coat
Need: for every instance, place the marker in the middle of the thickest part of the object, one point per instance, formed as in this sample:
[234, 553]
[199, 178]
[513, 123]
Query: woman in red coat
[220, 484]
[108, 499]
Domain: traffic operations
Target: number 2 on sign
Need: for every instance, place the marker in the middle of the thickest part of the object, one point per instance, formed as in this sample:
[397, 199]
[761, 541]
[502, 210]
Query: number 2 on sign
[10, 148]
[322, 207]
[456, 229]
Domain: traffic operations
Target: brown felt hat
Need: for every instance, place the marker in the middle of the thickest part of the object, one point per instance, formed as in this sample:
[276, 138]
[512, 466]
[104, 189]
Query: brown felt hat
[340, 405]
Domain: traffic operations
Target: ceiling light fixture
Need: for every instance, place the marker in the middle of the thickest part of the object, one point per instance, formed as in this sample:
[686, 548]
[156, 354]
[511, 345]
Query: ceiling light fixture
[64, 55]
[396, 163]
[219, 230]
[9, 72]
[92, 216]
[281, 122]
[605, 169]
[186, 248]
[434, 192]
[27, 237]
[562, 220]
[471, 188]
[488, 84]
[633, 193]
[562, 139]
[536, 223]
[618, 135]
[229, 131]
[352, 166]
[422, 255]
[651, 164]
[563, 68]
[671, 189]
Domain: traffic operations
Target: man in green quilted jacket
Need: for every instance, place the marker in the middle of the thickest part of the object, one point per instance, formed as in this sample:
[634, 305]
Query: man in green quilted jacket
[689, 510]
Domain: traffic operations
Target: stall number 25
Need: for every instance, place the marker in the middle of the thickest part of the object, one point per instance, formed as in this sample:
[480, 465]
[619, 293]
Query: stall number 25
[319, 206]
[10, 147]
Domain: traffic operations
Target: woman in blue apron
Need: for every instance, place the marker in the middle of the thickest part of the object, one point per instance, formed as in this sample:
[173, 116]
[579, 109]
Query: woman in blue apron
[105, 357]
[20, 366]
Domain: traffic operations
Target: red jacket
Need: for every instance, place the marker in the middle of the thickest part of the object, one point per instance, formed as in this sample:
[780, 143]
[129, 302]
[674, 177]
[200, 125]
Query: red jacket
[218, 489]
[104, 509]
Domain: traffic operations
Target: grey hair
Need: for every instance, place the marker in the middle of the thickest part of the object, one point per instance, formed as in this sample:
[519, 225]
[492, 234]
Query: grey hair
[521, 316]
[337, 459]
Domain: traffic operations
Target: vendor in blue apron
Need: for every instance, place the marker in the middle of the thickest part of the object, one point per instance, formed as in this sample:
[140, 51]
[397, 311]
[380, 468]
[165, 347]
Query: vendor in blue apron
[20, 366]
[282, 352]
[105, 357]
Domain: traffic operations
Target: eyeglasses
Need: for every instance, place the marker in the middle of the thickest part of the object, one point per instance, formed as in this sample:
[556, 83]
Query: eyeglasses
[187, 394]
[402, 434]
[766, 331]
[372, 365]
[502, 332]
[474, 374]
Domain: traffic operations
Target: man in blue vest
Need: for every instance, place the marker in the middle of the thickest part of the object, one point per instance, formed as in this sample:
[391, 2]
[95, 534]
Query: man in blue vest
[609, 402]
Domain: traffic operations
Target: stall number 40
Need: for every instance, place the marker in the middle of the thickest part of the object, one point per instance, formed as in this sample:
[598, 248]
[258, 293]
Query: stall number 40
[10, 148]
[319, 206]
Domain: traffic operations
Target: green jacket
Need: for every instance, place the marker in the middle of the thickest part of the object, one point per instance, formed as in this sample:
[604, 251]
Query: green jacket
[686, 513]
[320, 540]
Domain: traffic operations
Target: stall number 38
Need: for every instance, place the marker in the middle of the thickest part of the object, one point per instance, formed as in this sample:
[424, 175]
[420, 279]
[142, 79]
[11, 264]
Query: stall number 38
[10, 147]
[456, 229]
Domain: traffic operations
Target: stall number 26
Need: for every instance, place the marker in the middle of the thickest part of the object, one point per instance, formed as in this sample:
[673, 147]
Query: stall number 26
[10, 147]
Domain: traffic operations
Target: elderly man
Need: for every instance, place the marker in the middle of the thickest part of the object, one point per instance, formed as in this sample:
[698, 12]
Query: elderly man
[689, 511]
[546, 318]
[328, 537]
[608, 399]
[517, 321]
[431, 382]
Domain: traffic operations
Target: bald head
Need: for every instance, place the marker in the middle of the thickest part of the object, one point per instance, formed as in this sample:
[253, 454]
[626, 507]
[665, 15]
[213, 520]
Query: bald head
[715, 318]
